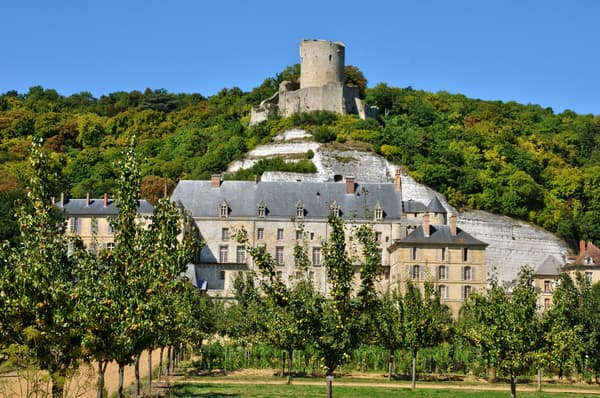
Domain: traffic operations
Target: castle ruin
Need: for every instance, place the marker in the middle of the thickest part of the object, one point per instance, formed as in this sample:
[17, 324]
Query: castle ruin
[321, 86]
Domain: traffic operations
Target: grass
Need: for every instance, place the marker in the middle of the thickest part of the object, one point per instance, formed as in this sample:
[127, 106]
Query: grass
[199, 389]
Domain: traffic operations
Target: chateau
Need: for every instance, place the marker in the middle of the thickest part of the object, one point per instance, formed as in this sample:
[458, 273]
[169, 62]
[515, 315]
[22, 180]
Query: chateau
[415, 239]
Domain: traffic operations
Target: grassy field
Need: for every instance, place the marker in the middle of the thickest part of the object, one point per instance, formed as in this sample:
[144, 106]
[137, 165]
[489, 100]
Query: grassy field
[207, 390]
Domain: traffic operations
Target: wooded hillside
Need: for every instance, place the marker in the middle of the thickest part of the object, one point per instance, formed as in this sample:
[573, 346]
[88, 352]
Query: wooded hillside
[520, 160]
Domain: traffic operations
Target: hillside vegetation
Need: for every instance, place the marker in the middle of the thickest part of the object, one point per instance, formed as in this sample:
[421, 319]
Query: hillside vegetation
[524, 161]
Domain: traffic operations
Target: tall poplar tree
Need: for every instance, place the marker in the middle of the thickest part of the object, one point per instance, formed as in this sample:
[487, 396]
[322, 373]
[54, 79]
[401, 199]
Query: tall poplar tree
[37, 282]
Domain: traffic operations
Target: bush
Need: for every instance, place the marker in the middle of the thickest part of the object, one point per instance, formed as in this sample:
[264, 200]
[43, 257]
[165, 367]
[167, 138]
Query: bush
[325, 134]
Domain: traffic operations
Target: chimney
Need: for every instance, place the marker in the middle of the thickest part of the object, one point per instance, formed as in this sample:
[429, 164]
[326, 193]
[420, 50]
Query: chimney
[398, 179]
[426, 224]
[63, 199]
[105, 199]
[453, 224]
[165, 190]
[582, 247]
[87, 198]
[215, 180]
[350, 184]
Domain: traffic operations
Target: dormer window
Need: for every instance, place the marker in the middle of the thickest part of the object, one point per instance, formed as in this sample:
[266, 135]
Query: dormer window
[299, 210]
[378, 212]
[224, 209]
[335, 209]
[261, 209]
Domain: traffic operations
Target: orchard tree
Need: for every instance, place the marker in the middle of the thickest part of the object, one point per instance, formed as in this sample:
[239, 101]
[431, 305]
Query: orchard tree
[505, 326]
[341, 320]
[426, 322]
[37, 282]
[389, 327]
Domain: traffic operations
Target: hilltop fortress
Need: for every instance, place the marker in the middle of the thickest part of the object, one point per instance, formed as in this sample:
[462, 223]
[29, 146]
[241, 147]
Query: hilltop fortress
[321, 86]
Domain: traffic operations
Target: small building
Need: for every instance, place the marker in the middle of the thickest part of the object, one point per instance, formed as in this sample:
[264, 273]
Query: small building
[587, 262]
[90, 219]
[545, 278]
[442, 254]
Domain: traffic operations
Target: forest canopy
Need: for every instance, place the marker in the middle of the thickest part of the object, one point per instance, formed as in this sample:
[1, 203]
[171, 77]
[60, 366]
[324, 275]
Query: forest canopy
[523, 161]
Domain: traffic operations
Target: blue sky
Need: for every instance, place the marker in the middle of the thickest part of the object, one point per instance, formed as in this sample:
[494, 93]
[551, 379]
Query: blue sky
[540, 52]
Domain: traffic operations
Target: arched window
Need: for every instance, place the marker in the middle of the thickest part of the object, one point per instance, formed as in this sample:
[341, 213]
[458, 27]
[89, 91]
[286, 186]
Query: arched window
[299, 210]
[378, 212]
[224, 209]
[261, 209]
[335, 209]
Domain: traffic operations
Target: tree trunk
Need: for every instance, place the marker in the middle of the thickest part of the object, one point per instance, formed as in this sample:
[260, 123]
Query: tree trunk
[136, 367]
[149, 371]
[329, 379]
[390, 365]
[101, 371]
[282, 363]
[414, 371]
[58, 383]
[169, 360]
[539, 379]
[513, 386]
[492, 378]
[121, 377]
[290, 364]
[160, 362]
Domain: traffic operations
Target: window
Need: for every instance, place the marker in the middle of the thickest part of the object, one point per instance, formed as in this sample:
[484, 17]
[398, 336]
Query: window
[311, 275]
[298, 234]
[442, 273]
[222, 275]
[279, 274]
[546, 286]
[443, 254]
[110, 245]
[312, 236]
[224, 210]
[467, 273]
[225, 234]
[299, 210]
[75, 224]
[378, 236]
[109, 228]
[240, 255]
[223, 254]
[466, 291]
[261, 209]
[588, 276]
[443, 291]
[335, 209]
[316, 256]
[94, 225]
[416, 272]
[378, 212]
[93, 248]
[546, 303]
[260, 233]
[465, 254]
[279, 255]
[413, 253]
[279, 233]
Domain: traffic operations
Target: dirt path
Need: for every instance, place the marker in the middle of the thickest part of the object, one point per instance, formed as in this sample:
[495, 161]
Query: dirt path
[84, 384]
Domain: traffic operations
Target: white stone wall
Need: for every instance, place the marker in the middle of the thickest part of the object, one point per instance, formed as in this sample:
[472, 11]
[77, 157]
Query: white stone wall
[321, 63]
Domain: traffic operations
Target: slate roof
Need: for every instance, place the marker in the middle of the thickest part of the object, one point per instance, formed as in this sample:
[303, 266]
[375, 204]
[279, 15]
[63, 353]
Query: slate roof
[435, 206]
[550, 266]
[410, 206]
[282, 197]
[440, 235]
[96, 207]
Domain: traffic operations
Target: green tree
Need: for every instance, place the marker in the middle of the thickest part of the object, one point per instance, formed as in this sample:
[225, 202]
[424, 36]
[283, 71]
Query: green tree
[506, 326]
[37, 282]
[389, 327]
[426, 322]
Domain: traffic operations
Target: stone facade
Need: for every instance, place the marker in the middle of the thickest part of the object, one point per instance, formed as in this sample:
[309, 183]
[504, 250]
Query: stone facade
[321, 86]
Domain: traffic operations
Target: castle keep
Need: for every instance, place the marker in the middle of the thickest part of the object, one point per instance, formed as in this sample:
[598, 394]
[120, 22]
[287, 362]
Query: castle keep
[321, 86]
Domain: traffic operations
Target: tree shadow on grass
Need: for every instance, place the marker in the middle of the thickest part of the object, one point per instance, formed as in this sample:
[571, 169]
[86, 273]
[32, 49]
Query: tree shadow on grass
[195, 391]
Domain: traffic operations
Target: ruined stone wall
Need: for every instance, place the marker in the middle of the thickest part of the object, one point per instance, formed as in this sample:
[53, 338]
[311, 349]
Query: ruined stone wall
[321, 63]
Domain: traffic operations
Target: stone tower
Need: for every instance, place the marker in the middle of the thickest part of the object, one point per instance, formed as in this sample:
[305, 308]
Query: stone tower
[321, 86]
[321, 63]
